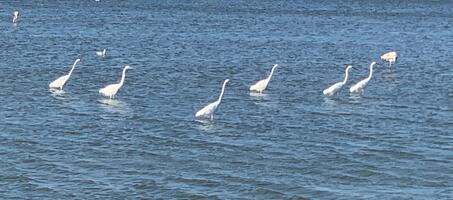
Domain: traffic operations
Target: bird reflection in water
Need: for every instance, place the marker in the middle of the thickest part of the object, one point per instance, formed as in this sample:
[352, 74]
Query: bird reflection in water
[205, 124]
[112, 102]
[57, 93]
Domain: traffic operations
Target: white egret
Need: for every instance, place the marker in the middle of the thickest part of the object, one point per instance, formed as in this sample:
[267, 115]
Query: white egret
[210, 108]
[361, 84]
[60, 82]
[261, 85]
[111, 90]
[15, 16]
[390, 57]
[337, 86]
[101, 53]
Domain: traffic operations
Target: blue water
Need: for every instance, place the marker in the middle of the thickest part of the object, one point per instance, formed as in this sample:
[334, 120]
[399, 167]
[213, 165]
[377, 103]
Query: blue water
[394, 141]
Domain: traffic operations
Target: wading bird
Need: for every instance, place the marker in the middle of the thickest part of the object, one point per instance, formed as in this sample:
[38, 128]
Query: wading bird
[60, 82]
[101, 53]
[15, 16]
[390, 57]
[337, 86]
[261, 85]
[111, 90]
[361, 84]
[210, 108]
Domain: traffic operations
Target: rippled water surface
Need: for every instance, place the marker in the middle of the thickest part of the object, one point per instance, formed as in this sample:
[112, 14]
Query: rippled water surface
[393, 141]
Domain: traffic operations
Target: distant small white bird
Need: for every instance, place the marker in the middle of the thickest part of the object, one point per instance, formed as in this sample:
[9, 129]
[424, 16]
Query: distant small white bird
[361, 84]
[101, 53]
[210, 108]
[111, 90]
[390, 57]
[15, 16]
[60, 82]
[337, 86]
[261, 85]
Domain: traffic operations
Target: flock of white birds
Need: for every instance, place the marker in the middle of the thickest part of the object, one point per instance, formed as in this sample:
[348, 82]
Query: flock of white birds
[209, 110]
[260, 86]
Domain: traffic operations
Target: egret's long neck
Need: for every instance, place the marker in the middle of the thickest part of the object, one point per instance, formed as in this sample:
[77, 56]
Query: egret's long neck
[346, 76]
[221, 93]
[371, 72]
[272, 72]
[73, 67]
[123, 76]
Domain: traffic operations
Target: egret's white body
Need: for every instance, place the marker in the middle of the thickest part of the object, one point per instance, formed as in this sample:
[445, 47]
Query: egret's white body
[111, 90]
[261, 85]
[390, 57]
[210, 108]
[101, 53]
[337, 86]
[361, 84]
[60, 82]
[15, 16]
